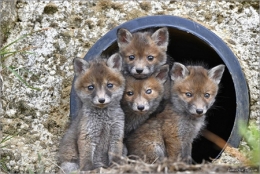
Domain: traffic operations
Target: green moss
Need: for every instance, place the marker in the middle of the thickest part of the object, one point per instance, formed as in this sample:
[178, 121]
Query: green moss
[111, 25]
[54, 25]
[146, 6]
[4, 32]
[251, 135]
[208, 15]
[76, 21]
[6, 157]
[86, 44]
[24, 108]
[220, 18]
[108, 4]
[135, 13]
[117, 6]
[160, 13]
[101, 22]
[50, 8]
[89, 23]
[9, 129]
[254, 4]
[104, 4]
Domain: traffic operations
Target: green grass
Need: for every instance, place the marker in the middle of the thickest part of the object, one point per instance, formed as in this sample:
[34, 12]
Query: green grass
[40, 166]
[3, 166]
[12, 70]
[5, 52]
[251, 135]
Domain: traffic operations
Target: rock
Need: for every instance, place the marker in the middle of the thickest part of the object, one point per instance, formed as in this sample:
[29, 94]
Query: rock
[8, 17]
[59, 31]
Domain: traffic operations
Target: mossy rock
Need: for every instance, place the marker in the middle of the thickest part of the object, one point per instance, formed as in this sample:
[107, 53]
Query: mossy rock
[50, 8]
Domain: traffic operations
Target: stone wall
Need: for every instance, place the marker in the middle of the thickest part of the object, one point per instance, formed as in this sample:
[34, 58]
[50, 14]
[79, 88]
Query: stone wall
[8, 17]
[59, 31]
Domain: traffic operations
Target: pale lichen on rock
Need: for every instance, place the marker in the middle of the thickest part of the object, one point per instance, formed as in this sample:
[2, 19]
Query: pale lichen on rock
[63, 30]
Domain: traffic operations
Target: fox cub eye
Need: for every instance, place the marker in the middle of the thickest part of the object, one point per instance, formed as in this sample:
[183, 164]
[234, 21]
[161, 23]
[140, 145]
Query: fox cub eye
[131, 57]
[110, 85]
[150, 58]
[129, 93]
[90, 87]
[188, 94]
[207, 95]
[148, 91]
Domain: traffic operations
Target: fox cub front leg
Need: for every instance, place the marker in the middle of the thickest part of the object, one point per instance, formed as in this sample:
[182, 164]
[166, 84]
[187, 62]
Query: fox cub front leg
[186, 153]
[68, 153]
[116, 145]
[86, 155]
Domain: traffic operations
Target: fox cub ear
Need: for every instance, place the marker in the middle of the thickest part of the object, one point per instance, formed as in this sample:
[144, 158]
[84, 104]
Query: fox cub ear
[216, 73]
[162, 73]
[124, 37]
[178, 71]
[161, 37]
[80, 65]
[115, 61]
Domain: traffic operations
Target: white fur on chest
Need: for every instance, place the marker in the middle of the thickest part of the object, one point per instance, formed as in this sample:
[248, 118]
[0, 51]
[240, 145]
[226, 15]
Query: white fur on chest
[189, 128]
[199, 125]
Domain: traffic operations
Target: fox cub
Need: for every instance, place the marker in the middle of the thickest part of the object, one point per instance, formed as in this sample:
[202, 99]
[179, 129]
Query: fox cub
[170, 134]
[142, 52]
[142, 97]
[95, 137]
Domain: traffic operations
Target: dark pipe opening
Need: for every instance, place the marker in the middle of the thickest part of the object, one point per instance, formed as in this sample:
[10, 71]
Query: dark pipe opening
[193, 43]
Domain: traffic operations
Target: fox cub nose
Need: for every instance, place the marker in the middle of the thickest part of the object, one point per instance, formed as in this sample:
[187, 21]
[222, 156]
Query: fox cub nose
[139, 71]
[140, 108]
[101, 100]
[199, 111]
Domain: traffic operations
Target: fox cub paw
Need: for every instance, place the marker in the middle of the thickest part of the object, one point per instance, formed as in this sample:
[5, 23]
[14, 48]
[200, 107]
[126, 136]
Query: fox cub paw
[68, 167]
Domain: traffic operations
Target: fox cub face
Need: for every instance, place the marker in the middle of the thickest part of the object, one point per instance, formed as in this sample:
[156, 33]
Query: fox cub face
[143, 52]
[99, 82]
[194, 88]
[144, 95]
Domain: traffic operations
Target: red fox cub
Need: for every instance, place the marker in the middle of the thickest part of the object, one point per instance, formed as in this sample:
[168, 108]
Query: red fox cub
[142, 97]
[171, 133]
[142, 52]
[95, 137]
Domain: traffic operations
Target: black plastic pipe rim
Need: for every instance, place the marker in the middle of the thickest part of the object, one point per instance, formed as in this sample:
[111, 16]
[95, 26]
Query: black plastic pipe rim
[192, 42]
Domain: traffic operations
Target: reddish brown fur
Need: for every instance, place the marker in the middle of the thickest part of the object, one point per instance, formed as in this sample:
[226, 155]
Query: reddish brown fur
[198, 84]
[143, 52]
[143, 97]
[95, 137]
[142, 46]
[105, 73]
[141, 86]
[171, 133]
[156, 132]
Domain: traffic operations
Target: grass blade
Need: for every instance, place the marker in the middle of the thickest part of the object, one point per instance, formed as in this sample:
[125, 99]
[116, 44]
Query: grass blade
[21, 79]
[25, 35]
[12, 53]
[22, 37]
